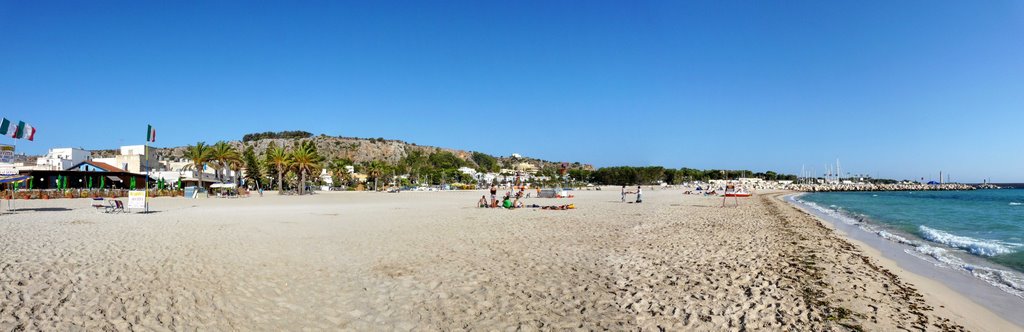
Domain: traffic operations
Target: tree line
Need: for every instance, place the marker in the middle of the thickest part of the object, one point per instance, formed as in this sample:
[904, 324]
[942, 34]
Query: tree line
[629, 175]
[298, 165]
[289, 134]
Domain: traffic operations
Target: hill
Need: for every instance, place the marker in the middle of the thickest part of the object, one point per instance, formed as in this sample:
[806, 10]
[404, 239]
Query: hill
[354, 148]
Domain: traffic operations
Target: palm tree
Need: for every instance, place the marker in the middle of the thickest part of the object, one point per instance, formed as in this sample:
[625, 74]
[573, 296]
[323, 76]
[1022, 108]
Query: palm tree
[305, 159]
[236, 165]
[375, 169]
[338, 169]
[224, 155]
[200, 154]
[278, 157]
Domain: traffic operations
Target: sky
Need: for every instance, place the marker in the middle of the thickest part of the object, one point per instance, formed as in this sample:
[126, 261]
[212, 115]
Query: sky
[896, 89]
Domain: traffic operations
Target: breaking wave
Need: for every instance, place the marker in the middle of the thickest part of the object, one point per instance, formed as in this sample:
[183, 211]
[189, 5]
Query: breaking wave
[972, 245]
[1009, 281]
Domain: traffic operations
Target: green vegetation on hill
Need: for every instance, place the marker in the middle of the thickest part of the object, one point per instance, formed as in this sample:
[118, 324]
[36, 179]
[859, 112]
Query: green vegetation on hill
[292, 134]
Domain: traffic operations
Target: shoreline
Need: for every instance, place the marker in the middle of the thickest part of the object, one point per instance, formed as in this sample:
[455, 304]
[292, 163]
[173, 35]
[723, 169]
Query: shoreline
[972, 301]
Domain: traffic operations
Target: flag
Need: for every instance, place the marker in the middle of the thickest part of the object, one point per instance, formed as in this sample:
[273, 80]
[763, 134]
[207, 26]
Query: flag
[6, 128]
[150, 134]
[20, 131]
[29, 133]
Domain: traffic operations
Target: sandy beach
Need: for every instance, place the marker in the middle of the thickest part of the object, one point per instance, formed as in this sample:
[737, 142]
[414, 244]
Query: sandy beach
[431, 261]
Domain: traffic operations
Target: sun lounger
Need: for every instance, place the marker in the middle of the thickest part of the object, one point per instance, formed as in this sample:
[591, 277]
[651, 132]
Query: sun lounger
[98, 203]
[115, 206]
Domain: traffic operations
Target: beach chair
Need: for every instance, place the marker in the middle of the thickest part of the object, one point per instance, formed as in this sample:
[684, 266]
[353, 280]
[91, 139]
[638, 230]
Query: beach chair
[115, 206]
[98, 203]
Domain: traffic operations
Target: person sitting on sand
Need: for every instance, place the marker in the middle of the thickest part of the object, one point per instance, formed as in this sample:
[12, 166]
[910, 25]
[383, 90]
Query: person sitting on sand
[507, 203]
[482, 202]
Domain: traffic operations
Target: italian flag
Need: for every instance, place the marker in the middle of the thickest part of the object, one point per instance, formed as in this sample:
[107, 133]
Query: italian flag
[22, 130]
[29, 132]
[7, 129]
[150, 134]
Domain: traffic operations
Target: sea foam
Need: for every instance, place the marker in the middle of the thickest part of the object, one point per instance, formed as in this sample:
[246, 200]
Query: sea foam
[972, 245]
[1009, 281]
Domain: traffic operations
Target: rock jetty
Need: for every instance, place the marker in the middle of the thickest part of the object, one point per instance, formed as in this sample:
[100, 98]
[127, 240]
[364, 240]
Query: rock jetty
[878, 187]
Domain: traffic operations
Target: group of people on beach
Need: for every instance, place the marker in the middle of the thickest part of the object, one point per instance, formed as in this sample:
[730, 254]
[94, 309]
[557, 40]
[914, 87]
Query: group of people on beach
[509, 201]
[506, 202]
[512, 201]
[638, 192]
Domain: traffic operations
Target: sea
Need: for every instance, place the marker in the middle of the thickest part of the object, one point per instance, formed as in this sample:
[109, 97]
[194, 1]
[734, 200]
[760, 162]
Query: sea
[980, 232]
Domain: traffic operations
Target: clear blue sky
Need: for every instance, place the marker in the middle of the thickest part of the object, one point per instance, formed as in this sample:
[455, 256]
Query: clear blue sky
[901, 89]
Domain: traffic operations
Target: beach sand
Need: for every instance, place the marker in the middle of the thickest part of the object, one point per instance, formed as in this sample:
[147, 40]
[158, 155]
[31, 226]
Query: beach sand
[431, 261]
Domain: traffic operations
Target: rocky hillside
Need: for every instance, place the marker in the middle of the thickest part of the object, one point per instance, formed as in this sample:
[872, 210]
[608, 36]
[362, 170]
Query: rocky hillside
[356, 149]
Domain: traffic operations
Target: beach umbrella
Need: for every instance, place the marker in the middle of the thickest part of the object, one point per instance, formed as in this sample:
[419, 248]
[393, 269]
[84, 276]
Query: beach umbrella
[90, 182]
[103, 181]
[179, 182]
[131, 184]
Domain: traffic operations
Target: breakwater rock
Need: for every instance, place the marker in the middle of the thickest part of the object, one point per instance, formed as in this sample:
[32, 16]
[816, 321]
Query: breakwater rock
[878, 187]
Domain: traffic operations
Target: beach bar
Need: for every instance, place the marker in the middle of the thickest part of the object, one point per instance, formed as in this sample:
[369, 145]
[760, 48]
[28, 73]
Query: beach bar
[84, 175]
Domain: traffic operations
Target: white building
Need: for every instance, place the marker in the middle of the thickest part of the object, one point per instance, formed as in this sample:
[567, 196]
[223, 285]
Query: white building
[468, 171]
[62, 158]
[133, 159]
[326, 179]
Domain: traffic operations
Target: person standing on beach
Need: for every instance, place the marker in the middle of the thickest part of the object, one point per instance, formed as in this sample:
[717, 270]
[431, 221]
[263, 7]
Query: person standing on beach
[494, 194]
[638, 193]
[623, 193]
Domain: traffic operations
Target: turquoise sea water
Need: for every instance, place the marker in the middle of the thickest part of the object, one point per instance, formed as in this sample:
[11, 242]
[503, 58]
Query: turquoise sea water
[958, 228]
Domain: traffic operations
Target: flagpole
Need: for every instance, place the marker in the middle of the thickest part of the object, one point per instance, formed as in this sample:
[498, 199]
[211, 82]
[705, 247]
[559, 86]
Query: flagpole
[147, 173]
[10, 202]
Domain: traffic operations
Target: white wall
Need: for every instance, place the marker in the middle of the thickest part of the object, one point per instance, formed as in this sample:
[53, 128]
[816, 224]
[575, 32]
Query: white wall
[63, 158]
